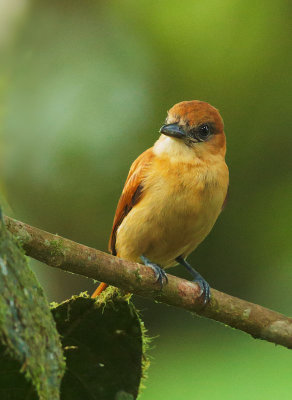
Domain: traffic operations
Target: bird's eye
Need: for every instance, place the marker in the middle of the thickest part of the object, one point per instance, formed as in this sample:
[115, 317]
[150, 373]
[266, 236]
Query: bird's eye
[204, 132]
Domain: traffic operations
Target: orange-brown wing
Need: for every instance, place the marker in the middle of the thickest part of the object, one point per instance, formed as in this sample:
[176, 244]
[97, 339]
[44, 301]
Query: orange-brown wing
[131, 194]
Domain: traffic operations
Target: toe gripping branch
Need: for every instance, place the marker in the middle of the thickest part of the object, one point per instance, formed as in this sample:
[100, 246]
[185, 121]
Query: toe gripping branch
[204, 285]
[160, 275]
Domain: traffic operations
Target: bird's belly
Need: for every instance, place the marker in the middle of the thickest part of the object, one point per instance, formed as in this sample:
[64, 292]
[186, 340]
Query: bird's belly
[165, 225]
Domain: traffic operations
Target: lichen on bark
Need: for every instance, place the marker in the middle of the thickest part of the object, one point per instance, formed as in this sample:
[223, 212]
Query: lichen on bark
[29, 342]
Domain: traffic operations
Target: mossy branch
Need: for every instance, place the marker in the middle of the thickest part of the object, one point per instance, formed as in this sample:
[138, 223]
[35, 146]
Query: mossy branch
[67, 255]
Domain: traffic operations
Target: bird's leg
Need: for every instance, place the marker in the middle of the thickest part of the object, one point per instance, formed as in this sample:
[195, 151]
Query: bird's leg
[159, 273]
[197, 278]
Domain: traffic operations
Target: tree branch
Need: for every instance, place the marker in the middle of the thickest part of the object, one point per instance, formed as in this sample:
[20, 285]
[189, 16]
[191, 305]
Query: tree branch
[70, 256]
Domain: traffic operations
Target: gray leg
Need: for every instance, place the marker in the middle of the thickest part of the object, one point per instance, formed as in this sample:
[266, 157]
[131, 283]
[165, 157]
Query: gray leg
[197, 278]
[159, 273]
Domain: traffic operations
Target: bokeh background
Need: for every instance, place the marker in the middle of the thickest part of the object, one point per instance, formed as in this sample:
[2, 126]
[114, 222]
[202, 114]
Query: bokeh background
[85, 86]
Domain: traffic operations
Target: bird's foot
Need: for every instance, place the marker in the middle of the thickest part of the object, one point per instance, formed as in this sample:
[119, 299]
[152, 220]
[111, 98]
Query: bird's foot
[160, 275]
[204, 285]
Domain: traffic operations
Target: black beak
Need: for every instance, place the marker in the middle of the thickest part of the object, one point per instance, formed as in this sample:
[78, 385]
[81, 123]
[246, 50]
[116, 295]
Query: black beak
[173, 130]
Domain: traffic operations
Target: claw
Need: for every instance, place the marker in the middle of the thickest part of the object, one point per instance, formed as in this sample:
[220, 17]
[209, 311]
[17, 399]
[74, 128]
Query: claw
[205, 289]
[160, 275]
[198, 279]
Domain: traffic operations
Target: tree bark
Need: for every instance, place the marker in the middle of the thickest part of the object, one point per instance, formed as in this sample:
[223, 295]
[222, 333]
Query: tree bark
[70, 256]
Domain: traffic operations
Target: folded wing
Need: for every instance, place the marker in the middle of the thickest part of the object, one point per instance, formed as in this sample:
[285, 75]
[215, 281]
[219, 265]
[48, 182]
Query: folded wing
[131, 194]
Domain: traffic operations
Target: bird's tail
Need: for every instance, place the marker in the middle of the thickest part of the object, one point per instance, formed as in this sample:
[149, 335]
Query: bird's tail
[99, 289]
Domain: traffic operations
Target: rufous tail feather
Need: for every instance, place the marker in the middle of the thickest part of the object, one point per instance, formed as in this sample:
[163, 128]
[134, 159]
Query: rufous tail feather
[99, 289]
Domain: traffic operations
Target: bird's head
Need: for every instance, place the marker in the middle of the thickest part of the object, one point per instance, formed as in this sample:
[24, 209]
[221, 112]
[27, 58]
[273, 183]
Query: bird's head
[197, 125]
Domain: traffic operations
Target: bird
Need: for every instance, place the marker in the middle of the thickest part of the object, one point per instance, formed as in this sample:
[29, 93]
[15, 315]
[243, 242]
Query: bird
[173, 194]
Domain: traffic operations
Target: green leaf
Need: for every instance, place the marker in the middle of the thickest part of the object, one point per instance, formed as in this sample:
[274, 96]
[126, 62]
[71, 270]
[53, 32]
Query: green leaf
[31, 358]
[103, 344]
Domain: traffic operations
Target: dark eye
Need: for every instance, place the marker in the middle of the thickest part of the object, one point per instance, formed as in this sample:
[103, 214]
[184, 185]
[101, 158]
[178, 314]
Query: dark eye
[204, 131]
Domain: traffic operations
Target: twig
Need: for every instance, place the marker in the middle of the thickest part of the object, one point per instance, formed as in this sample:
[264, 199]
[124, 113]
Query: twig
[67, 255]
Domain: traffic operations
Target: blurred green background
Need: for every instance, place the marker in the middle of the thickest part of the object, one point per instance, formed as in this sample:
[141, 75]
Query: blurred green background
[85, 86]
